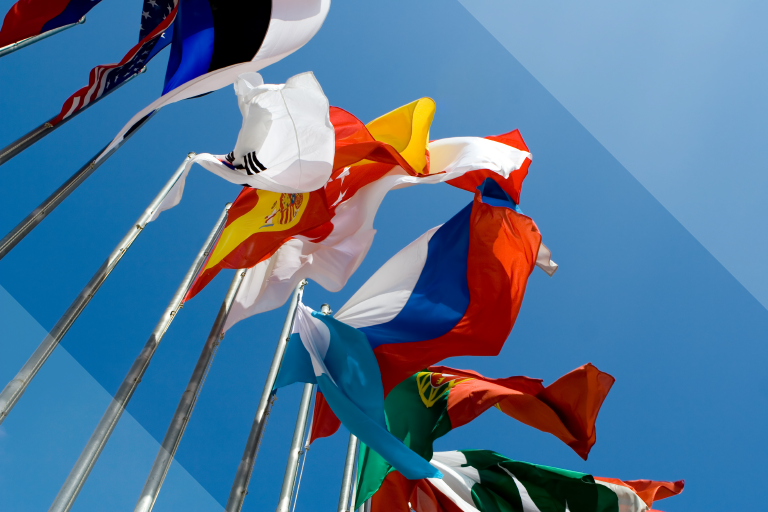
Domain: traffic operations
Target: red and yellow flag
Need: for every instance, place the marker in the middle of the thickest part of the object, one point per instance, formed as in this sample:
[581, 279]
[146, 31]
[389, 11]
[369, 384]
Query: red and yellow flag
[258, 223]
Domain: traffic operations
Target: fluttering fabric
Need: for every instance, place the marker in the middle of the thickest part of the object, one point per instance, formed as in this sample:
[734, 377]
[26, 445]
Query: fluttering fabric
[340, 361]
[429, 404]
[213, 46]
[370, 160]
[286, 129]
[456, 290]
[484, 481]
[105, 78]
[28, 18]
[259, 221]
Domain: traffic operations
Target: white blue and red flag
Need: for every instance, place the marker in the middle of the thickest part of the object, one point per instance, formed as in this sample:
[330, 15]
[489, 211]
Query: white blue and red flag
[454, 291]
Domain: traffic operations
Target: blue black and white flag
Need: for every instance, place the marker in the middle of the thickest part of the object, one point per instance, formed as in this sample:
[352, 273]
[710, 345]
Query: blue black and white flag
[214, 42]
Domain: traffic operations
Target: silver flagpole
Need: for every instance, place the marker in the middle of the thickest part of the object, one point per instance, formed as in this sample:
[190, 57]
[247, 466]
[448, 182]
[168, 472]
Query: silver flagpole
[187, 403]
[13, 391]
[294, 454]
[90, 454]
[292, 466]
[347, 493]
[245, 468]
[5, 50]
[16, 147]
[38, 214]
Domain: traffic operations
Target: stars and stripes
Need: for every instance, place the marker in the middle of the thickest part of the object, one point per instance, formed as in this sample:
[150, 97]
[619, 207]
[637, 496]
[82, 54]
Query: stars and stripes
[105, 78]
[152, 14]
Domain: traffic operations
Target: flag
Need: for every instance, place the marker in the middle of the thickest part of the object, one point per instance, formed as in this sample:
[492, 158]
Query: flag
[285, 144]
[213, 43]
[104, 79]
[454, 291]
[29, 18]
[429, 404]
[330, 253]
[153, 14]
[484, 481]
[339, 360]
[259, 221]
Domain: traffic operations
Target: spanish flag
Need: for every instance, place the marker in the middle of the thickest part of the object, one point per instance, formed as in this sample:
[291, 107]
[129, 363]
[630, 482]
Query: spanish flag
[259, 222]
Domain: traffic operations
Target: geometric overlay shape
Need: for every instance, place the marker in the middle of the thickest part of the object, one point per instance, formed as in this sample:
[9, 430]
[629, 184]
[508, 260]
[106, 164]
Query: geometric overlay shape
[46, 431]
[677, 98]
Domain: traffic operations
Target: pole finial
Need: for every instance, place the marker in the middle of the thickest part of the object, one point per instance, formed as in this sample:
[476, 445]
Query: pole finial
[326, 309]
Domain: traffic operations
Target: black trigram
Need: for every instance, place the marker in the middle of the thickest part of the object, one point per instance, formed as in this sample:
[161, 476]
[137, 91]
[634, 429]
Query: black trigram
[252, 165]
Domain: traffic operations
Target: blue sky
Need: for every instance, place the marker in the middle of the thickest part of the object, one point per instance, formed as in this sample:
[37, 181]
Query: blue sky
[646, 184]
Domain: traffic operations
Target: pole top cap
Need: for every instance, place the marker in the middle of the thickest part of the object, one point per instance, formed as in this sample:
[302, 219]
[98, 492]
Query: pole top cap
[326, 309]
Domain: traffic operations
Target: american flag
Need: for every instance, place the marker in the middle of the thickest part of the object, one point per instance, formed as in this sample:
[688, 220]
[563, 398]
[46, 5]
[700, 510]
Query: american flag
[104, 79]
[153, 13]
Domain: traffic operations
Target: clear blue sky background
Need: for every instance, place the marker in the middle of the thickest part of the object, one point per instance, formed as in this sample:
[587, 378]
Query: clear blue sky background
[645, 123]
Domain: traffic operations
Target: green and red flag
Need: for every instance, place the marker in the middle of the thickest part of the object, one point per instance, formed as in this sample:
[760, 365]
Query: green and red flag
[484, 481]
[429, 404]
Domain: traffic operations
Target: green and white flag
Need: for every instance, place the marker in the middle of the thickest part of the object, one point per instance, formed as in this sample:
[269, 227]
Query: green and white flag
[484, 481]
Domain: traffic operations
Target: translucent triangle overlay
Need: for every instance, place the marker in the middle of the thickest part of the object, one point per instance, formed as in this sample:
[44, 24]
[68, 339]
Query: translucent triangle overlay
[637, 294]
[42, 438]
[673, 92]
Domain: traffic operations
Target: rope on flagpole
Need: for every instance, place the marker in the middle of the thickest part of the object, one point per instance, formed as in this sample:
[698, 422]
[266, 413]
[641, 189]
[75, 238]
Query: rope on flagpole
[38, 214]
[292, 465]
[5, 50]
[15, 389]
[25, 141]
[304, 452]
[93, 448]
[187, 403]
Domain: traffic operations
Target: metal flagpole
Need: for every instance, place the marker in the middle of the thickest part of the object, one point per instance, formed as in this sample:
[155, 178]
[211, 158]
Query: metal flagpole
[38, 214]
[16, 147]
[13, 391]
[299, 433]
[90, 454]
[5, 50]
[187, 403]
[245, 468]
[345, 497]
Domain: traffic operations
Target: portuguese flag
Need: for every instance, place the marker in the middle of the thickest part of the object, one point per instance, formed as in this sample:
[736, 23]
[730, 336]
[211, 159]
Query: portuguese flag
[429, 404]
[484, 481]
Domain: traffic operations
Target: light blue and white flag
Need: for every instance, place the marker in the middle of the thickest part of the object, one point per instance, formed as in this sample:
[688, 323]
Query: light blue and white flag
[340, 360]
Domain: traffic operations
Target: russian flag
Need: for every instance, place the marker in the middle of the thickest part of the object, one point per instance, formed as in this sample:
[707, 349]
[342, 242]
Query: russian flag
[454, 291]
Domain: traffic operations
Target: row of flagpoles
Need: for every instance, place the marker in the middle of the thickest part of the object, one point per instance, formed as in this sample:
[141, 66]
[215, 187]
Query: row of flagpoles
[66, 497]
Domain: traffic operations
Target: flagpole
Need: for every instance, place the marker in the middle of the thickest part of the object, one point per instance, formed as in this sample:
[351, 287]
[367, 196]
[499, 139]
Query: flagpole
[90, 454]
[5, 50]
[245, 468]
[19, 145]
[38, 214]
[292, 466]
[347, 492]
[13, 391]
[187, 403]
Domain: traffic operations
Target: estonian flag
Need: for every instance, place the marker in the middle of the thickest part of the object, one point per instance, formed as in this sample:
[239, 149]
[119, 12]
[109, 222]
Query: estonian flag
[214, 42]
